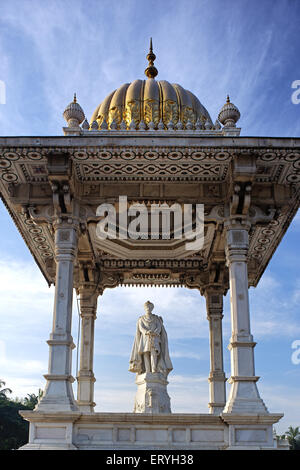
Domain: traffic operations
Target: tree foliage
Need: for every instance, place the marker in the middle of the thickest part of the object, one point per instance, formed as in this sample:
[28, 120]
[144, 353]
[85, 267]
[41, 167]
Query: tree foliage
[13, 428]
[293, 436]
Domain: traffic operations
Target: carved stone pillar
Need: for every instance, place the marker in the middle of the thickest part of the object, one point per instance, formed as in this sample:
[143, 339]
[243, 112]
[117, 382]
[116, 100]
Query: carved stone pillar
[88, 309]
[244, 396]
[58, 394]
[214, 307]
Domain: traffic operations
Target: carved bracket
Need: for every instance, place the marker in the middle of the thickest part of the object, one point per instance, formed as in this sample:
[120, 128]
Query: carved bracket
[109, 280]
[241, 199]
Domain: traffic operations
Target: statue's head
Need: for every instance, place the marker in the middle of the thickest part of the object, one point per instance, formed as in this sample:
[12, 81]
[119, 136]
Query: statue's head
[148, 306]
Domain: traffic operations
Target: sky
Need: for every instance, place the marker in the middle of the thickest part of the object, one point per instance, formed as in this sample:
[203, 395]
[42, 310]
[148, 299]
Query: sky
[249, 50]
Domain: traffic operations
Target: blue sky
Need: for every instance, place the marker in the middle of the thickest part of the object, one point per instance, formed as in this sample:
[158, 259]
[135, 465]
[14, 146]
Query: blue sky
[49, 50]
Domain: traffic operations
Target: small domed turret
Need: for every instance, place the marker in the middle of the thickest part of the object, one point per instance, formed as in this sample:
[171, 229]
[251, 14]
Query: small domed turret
[229, 114]
[73, 113]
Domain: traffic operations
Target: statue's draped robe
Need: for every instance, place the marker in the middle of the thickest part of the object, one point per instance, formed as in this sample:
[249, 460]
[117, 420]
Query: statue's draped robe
[144, 343]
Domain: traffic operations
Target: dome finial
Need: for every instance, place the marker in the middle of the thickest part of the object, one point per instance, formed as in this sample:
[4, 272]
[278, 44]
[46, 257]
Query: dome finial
[74, 99]
[151, 71]
[151, 46]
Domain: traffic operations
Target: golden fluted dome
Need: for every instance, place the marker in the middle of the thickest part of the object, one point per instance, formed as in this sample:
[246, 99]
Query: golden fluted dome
[151, 101]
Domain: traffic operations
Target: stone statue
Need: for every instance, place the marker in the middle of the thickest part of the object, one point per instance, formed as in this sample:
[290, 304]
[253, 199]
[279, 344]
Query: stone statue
[150, 352]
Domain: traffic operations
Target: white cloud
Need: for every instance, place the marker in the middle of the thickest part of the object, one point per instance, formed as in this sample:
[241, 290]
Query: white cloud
[282, 398]
[20, 282]
[176, 379]
[182, 310]
[273, 312]
[65, 45]
[187, 355]
[22, 386]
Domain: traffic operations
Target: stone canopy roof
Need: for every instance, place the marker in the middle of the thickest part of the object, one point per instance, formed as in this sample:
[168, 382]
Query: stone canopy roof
[248, 177]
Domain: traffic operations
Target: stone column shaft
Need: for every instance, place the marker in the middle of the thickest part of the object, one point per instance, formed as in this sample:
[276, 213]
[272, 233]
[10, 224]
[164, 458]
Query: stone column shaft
[217, 379]
[58, 394]
[86, 379]
[244, 396]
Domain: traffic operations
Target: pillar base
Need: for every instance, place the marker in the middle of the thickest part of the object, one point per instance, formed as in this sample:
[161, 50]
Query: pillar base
[58, 395]
[217, 391]
[152, 395]
[216, 408]
[251, 432]
[85, 391]
[244, 397]
[86, 406]
[50, 431]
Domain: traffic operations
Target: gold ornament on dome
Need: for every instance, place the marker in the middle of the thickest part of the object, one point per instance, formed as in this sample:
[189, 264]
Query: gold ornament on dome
[132, 112]
[187, 114]
[115, 114]
[151, 111]
[170, 112]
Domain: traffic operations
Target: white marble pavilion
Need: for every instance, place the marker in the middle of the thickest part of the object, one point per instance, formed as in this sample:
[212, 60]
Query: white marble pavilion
[153, 142]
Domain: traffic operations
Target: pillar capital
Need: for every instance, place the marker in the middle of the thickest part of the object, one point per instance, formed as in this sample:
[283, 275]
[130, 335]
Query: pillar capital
[65, 221]
[213, 294]
[237, 222]
[88, 296]
[213, 288]
[66, 239]
[237, 243]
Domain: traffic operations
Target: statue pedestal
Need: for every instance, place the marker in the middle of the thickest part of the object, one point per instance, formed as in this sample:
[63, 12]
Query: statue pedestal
[152, 395]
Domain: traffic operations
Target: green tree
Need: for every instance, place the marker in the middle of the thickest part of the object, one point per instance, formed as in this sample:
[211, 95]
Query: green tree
[293, 436]
[4, 391]
[32, 399]
[13, 428]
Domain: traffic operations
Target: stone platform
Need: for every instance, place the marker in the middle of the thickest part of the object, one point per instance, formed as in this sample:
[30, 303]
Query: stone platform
[137, 431]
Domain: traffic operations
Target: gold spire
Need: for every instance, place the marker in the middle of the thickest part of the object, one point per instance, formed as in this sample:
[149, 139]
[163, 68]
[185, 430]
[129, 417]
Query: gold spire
[75, 99]
[228, 99]
[151, 71]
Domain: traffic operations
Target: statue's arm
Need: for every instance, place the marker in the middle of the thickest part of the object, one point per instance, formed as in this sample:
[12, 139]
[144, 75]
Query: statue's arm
[158, 327]
[141, 327]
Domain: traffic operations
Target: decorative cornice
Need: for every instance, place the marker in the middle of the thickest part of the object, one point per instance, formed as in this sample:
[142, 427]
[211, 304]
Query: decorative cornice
[135, 162]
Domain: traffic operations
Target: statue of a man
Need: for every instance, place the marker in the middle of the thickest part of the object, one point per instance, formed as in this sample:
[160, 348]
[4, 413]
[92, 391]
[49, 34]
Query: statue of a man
[150, 352]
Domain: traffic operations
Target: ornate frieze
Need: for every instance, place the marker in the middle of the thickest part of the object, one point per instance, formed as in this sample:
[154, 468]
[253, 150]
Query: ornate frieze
[28, 164]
